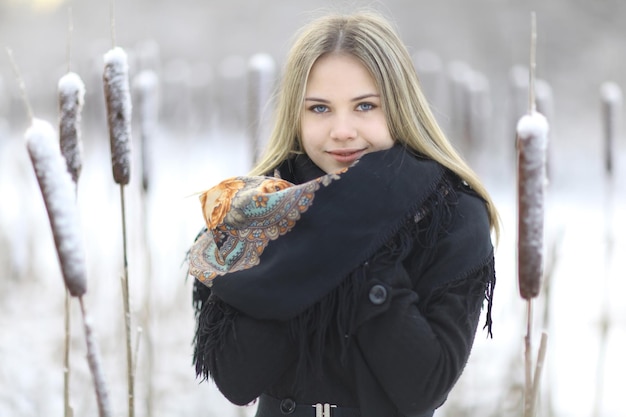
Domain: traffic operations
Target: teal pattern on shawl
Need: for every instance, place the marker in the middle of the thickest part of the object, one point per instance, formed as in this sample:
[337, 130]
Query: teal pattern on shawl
[244, 215]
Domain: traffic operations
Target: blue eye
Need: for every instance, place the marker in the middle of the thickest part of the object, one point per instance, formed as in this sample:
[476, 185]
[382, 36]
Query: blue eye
[318, 108]
[365, 106]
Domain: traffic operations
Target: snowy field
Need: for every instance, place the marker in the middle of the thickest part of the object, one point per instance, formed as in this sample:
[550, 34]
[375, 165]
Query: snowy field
[202, 139]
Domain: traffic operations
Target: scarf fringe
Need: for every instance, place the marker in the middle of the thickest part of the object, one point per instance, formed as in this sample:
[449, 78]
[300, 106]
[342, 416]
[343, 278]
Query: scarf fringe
[328, 322]
[215, 321]
[479, 283]
[489, 287]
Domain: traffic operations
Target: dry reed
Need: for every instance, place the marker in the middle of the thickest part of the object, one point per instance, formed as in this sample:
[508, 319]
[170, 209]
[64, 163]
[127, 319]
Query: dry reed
[611, 106]
[118, 106]
[611, 97]
[146, 86]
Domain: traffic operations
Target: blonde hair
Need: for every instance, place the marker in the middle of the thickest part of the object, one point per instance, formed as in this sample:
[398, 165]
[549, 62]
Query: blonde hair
[374, 42]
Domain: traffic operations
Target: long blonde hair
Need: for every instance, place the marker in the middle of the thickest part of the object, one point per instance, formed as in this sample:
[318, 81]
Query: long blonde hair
[371, 39]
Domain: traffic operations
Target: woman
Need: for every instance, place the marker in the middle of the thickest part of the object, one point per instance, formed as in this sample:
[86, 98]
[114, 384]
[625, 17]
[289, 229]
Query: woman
[351, 282]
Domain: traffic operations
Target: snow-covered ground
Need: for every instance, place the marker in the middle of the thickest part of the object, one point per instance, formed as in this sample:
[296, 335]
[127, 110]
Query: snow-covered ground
[585, 218]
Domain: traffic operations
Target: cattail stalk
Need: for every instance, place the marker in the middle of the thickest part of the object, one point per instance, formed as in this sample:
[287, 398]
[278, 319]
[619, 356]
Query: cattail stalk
[611, 97]
[71, 91]
[68, 410]
[118, 105]
[611, 100]
[532, 133]
[146, 87]
[532, 142]
[539, 366]
[95, 365]
[71, 98]
[59, 197]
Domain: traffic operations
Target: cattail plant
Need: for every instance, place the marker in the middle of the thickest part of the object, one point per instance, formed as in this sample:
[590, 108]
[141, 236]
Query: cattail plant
[71, 91]
[611, 106]
[532, 132]
[261, 74]
[71, 94]
[611, 97]
[118, 106]
[58, 193]
[532, 138]
[146, 85]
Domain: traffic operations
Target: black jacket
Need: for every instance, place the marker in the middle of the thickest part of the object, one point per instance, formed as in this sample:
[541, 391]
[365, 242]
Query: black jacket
[412, 309]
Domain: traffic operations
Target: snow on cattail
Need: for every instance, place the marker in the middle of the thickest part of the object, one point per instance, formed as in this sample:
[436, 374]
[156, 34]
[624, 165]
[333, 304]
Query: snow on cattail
[118, 105]
[58, 192]
[71, 99]
[532, 134]
[146, 85]
[611, 96]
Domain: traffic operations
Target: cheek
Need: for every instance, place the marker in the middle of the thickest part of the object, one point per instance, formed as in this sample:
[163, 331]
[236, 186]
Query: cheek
[310, 130]
[381, 131]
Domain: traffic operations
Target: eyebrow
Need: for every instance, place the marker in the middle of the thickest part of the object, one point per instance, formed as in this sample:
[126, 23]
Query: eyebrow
[322, 100]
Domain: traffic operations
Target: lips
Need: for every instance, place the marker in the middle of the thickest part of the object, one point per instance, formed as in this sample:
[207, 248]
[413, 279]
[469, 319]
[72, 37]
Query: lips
[346, 155]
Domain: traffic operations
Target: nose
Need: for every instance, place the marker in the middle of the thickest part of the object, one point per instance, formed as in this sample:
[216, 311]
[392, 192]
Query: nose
[343, 129]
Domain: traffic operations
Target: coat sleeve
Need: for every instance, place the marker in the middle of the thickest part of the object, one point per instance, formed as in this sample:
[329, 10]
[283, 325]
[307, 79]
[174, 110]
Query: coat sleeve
[242, 355]
[417, 346]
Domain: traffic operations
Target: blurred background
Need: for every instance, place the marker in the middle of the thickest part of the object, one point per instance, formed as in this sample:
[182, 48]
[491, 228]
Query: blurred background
[207, 57]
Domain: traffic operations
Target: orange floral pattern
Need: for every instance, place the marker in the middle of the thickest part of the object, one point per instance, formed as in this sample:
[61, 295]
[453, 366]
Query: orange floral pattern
[216, 201]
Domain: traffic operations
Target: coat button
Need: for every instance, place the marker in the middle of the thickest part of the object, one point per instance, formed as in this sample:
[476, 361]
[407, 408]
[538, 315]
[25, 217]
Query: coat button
[378, 294]
[287, 406]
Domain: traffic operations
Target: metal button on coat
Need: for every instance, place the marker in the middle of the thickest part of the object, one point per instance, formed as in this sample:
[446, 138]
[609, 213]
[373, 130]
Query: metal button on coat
[378, 294]
[287, 406]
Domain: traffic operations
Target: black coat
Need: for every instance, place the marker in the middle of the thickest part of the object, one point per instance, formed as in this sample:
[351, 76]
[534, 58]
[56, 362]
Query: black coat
[412, 309]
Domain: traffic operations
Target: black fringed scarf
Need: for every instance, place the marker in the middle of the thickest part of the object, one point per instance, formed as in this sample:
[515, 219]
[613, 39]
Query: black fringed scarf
[347, 218]
[310, 270]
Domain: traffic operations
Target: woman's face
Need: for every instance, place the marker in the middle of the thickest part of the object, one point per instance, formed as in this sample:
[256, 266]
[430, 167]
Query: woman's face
[342, 117]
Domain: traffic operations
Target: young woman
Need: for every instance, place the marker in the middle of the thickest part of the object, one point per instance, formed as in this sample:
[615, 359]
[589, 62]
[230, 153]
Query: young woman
[345, 276]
